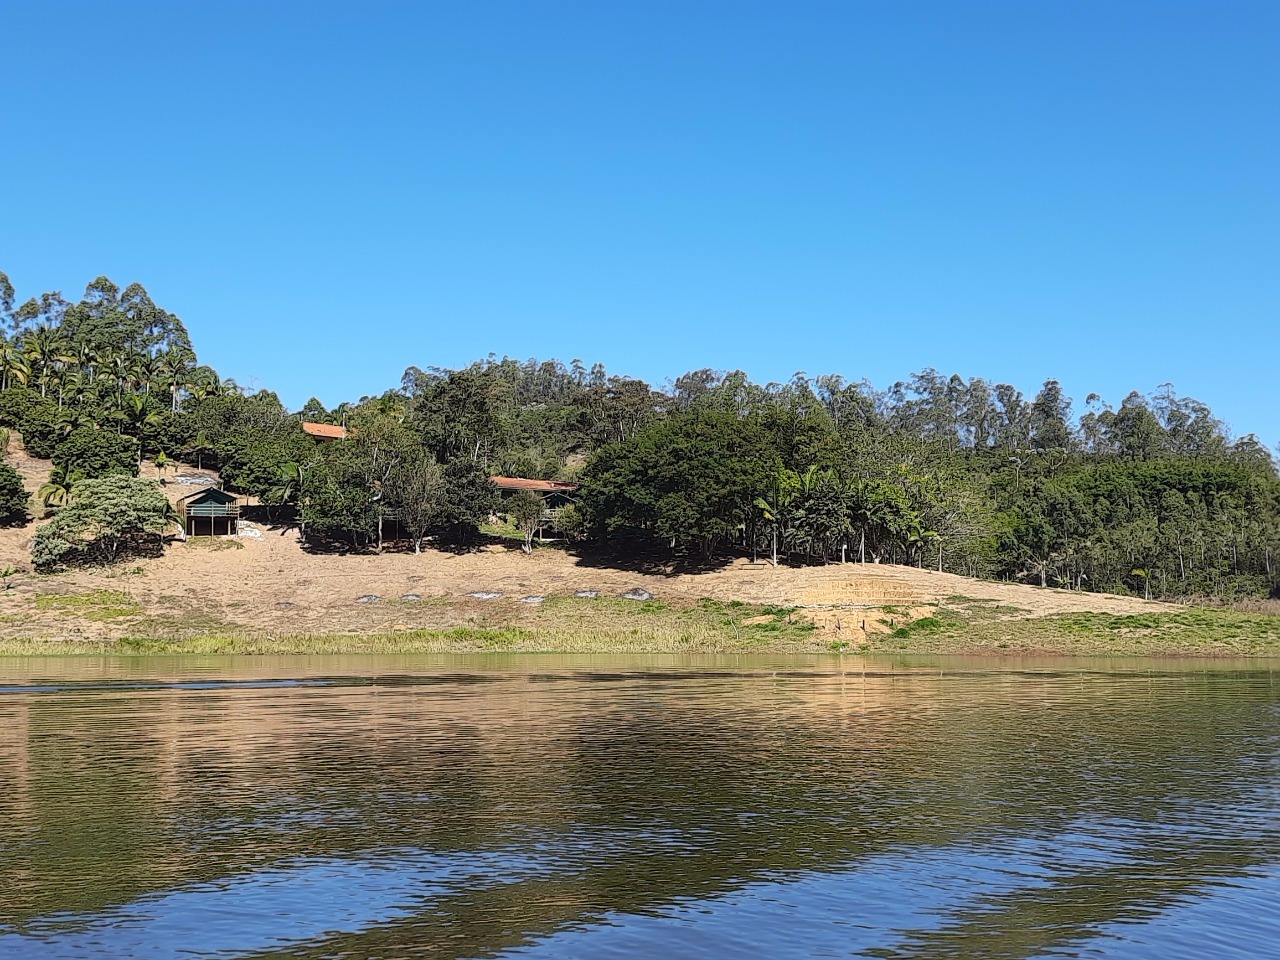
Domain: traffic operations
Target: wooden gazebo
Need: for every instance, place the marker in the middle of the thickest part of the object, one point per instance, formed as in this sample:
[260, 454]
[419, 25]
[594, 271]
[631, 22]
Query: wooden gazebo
[211, 512]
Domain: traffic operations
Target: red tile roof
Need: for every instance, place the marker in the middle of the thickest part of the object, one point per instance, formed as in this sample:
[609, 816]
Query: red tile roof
[325, 431]
[538, 486]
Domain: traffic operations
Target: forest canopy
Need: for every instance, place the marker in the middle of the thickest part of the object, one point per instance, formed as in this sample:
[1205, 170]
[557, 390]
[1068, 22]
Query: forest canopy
[1150, 495]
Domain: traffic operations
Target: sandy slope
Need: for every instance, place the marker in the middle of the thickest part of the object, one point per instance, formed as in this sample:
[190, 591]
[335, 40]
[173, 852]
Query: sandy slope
[272, 584]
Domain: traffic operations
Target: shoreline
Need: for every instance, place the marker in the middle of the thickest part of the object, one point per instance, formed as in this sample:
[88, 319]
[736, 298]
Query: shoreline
[267, 594]
[569, 626]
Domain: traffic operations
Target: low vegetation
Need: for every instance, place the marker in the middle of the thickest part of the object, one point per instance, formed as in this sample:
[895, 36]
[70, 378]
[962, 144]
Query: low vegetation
[571, 624]
[95, 605]
[559, 625]
[105, 520]
[1194, 631]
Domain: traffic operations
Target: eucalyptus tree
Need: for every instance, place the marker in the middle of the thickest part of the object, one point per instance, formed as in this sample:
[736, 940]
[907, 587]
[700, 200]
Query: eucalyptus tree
[1050, 416]
[47, 310]
[6, 299]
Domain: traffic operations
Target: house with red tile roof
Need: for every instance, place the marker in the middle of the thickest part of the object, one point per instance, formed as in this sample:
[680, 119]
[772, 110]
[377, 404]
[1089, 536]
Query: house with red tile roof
[324, 431]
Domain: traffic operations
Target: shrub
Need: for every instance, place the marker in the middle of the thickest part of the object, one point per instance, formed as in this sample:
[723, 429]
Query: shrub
[91, 452]
[13, 497]
[39, 427]
[104, 520]
[16, 403]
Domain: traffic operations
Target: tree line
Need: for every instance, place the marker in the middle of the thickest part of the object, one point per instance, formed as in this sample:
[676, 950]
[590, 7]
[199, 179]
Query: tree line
[1151, 496]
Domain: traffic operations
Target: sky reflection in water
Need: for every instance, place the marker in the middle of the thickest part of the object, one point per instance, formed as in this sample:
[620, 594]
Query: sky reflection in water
[1001, 815]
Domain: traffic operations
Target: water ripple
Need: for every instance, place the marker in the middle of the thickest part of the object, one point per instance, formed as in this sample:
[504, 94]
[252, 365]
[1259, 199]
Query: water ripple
[363, 810]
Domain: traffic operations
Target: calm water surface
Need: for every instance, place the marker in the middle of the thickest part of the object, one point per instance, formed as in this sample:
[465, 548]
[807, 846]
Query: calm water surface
[396, 807]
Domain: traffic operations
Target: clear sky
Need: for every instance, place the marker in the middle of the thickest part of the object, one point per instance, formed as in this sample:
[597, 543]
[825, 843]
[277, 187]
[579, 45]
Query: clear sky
[327, 193]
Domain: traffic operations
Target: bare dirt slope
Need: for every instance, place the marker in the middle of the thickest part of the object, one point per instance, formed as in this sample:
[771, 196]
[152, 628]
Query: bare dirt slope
[272, 584]
[35, 474]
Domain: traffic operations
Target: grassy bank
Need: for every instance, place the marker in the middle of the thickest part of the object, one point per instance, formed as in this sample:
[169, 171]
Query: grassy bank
[558, 625]
[610, 625]
[960, 626]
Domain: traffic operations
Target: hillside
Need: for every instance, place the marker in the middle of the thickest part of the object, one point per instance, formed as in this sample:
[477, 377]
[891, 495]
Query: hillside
[267, 582]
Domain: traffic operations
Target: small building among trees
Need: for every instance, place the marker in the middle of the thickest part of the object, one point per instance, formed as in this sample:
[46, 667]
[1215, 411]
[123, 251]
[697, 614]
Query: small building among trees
[324, 431]
[210, 512]
[555, 494]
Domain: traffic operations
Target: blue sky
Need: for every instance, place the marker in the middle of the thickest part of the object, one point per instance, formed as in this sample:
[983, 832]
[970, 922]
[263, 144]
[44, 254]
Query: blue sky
[328, 193]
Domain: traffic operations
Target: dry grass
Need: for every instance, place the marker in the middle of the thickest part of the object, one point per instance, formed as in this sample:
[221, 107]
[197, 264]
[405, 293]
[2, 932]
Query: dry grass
[1193, 631]
[96, 605]
[559, 625]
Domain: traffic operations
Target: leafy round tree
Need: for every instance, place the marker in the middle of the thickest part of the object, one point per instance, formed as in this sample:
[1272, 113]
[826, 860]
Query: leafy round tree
[39, 428]
[689, 480]
[104, 520]
[526, 511]
[470, 497]
[96, 453]
[16, 403]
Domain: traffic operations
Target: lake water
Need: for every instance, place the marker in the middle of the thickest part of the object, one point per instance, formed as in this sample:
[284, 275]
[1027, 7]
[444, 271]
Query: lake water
[541, 807]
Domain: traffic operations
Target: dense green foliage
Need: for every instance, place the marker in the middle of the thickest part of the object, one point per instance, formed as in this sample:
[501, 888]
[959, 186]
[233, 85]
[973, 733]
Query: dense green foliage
[103, 520]
[14, 498]
[691, 478]
[91, 452]
[1151, 497]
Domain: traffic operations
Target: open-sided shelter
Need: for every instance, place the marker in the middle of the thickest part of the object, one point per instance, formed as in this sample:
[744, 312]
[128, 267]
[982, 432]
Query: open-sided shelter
[211, 512]
[554, 493]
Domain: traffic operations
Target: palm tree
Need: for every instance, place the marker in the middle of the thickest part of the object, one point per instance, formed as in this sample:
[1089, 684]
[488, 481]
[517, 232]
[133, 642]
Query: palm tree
[288, 484]
[74, 419]
[1142, 573]
[175, 368]
[72, 385]
[205, 384]
[776, 507]
[200, 446]
[122, 367]
[822, 511]
[288, 487]
[88, 359]
[391, 405]
[139, 415]
[175, 516]
[47, 350]
[149, 370]
[917, 539]
[14, 366]
[61, 482]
